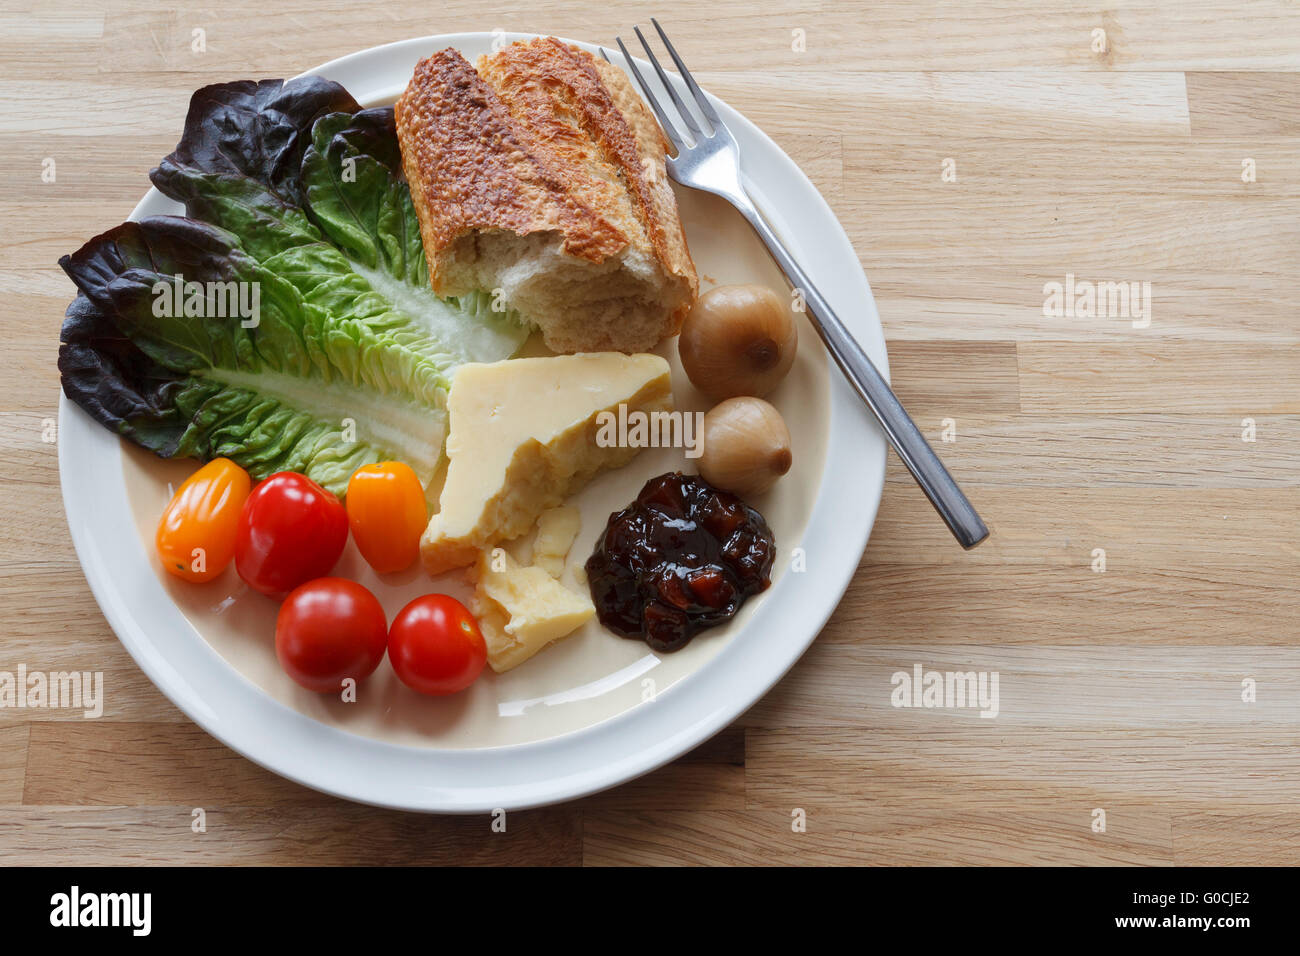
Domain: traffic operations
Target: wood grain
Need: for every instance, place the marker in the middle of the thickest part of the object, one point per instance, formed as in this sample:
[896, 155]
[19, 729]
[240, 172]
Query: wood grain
[1119, 689]
[899, 836]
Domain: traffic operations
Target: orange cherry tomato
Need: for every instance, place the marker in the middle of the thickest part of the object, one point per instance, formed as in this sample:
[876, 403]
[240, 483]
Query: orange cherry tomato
[196, 534]
[387, 513]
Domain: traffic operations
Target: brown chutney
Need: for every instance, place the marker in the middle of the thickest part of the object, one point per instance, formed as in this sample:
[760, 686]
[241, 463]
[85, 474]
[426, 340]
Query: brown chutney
[681, 558]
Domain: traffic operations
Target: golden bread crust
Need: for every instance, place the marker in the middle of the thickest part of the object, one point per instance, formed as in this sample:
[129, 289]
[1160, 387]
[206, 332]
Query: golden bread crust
[541, 138]
[588, 116]
[470, 166]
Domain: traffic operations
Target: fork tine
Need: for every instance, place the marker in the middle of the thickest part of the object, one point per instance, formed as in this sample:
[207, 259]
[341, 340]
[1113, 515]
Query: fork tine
[605, 56]
[705, 106]
[687, 118]
[664, 121]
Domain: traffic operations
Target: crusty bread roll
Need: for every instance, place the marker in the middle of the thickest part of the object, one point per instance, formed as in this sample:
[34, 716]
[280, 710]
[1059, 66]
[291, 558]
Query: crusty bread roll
[541, 175]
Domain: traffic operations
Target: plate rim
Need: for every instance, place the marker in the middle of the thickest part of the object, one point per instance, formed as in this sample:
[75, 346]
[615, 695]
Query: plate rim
[866, 456]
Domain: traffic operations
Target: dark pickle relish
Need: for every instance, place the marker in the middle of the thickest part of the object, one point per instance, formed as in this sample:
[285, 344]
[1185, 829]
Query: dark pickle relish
[681, 558]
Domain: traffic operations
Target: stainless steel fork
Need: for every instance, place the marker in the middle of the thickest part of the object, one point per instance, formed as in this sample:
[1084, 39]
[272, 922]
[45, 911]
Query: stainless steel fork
[710, 160]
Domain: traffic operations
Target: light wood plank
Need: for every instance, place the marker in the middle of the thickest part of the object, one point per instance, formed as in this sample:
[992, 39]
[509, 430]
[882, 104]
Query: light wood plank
[1116, 450]
[1243, 104]
[1014, 604]
[984, 765]
[898, 35]
[243, 835]
[1175, 689]
[1140, 529]
[889, 837]
[1237, 837]
[1159, 378]
[13, 762]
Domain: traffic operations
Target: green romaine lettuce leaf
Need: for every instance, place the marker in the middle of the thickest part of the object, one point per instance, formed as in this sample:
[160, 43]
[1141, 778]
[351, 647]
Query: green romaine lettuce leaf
[357, 196]
[300, 391]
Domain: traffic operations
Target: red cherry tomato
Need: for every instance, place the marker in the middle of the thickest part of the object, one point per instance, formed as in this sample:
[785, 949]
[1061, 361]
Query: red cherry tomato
[328, 630]
[435, 645]
[290, 531]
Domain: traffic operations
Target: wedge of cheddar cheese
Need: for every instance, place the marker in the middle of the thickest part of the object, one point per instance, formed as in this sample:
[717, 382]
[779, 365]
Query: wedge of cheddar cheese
[522, 610]
[523, 437]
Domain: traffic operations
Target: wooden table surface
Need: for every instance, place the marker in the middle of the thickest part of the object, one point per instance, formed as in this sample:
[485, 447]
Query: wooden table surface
[975, 153]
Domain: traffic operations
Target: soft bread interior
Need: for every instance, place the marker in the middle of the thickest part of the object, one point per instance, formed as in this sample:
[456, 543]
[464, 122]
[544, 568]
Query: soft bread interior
[618, 304]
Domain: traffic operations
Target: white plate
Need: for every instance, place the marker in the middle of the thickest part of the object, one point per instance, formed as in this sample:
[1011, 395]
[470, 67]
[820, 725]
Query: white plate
[568, 744]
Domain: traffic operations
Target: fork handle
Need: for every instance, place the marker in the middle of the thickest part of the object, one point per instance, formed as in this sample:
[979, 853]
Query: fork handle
[907, 440]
